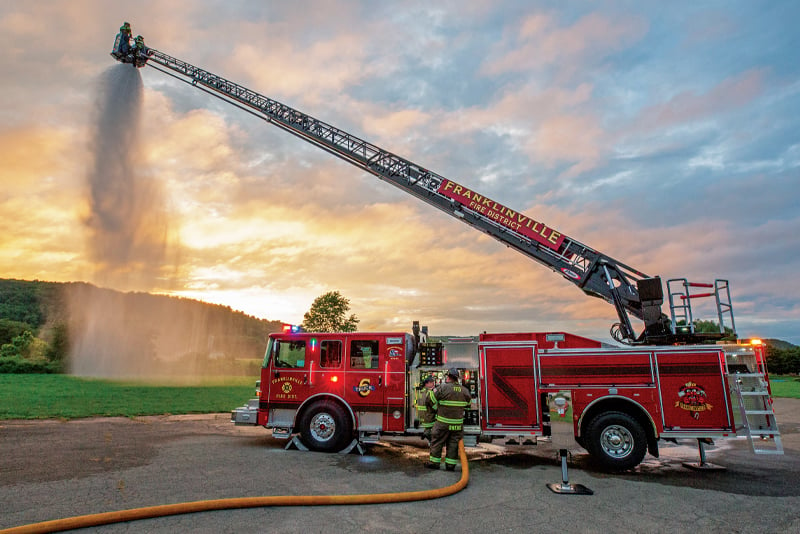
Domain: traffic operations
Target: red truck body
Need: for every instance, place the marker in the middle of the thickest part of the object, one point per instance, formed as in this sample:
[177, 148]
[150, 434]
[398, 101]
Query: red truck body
[349, 388]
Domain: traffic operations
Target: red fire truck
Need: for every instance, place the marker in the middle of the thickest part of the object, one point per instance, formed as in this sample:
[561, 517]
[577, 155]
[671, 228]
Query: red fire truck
[349, 388]
[340, 389]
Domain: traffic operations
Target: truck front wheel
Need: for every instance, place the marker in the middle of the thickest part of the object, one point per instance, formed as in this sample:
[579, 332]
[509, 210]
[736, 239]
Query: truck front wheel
[325, 427]
[616, 441]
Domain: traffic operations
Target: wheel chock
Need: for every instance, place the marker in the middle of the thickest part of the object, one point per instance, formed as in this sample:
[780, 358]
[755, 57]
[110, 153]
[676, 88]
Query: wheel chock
[355, 444]
[297, 443]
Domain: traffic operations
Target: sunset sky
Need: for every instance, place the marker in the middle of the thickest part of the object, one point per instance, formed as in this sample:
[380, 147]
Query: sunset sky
[666, 135]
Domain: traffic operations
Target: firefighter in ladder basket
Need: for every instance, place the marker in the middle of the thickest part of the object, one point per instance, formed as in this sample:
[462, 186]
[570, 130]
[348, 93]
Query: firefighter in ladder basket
[449, 401]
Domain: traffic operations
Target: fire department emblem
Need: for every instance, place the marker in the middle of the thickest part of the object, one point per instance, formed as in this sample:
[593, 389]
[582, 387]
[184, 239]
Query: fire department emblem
[692, 398]
[364, 388]
[286, 387]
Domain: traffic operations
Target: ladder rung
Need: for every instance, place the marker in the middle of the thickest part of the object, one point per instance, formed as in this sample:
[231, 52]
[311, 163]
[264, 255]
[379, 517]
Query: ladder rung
[768, 451]
[748, 375]
[759, 412]
[768, 432]
[756, 393]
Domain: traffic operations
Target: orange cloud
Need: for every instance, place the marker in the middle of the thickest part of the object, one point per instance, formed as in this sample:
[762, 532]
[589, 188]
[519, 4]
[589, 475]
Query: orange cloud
[40, 203]
[537, 40]
[691, 106]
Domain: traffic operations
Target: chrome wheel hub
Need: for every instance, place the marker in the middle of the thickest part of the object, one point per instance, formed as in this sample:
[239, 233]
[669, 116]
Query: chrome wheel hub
[323, 427]
[616, 441]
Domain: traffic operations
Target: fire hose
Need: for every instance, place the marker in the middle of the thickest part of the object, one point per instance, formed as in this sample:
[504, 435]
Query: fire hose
[135, 514]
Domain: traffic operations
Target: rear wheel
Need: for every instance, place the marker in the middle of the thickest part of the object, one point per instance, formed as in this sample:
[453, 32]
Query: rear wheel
[616, 441]
[326, 427]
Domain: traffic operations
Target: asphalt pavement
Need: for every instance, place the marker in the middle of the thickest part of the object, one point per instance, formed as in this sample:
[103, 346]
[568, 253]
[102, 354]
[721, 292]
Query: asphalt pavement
[54, 469]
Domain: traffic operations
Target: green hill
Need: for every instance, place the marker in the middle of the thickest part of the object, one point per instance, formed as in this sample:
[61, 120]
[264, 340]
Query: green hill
[779, 344]
[102, 332]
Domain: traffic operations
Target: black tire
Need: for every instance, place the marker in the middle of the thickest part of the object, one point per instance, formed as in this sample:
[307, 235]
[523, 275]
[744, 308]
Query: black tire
[616, 441]
[326, 427]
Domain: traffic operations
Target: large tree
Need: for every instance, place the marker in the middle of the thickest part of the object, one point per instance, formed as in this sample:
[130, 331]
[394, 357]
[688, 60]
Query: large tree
[328, 313]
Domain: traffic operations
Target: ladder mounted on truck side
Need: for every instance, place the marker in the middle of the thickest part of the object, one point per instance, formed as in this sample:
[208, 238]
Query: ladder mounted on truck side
[748, 384]
[630, 291]
[758, 421]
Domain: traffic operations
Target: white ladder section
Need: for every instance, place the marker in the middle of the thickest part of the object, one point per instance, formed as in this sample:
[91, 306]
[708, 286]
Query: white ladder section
[755, 407]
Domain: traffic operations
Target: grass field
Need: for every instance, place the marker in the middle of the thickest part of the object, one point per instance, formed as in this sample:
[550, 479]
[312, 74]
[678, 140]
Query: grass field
[69, 397]
[785, 386]
[28, 396]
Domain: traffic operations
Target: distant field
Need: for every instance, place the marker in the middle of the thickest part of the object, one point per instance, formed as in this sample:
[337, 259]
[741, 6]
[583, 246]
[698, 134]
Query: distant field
[69, 397]
[785, 386]
[60, 396]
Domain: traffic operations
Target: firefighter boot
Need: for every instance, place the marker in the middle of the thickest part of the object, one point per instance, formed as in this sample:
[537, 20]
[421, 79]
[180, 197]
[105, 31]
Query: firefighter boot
[450, 467]
[431, 465]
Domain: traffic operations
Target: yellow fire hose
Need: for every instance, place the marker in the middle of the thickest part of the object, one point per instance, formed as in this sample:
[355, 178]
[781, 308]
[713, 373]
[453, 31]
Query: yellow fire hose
[134, 514]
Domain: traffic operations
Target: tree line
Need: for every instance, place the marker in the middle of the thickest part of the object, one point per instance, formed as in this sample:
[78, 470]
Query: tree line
[43, 323]
[783, 361]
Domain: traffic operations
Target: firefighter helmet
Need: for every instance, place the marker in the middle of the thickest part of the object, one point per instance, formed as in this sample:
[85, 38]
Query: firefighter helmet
[427, 379]
[453, 372]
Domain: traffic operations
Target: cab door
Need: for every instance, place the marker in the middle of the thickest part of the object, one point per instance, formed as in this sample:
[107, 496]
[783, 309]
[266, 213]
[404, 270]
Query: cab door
[289, 379]
[364, 380]
[328, 377]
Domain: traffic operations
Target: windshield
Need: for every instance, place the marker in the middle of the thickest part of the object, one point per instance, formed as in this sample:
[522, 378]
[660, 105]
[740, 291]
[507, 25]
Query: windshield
[289, 353]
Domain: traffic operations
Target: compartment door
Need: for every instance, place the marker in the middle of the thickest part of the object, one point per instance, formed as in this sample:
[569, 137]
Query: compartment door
[509, 400]
[693, 391]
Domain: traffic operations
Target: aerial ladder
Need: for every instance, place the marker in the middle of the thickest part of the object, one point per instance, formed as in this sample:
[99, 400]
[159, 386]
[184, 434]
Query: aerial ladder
[630, 291]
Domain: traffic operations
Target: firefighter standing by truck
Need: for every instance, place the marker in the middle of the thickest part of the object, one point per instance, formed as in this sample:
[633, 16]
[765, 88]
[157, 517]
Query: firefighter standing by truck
[426, 416]
[449, 401]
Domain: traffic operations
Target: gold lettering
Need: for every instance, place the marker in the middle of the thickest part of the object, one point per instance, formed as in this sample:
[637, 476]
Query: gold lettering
[487, 201]
[535, 224]
[554, 237]
[449, 185]
[468, 194]
[542, 231]
[476, 197]
[457, 190]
